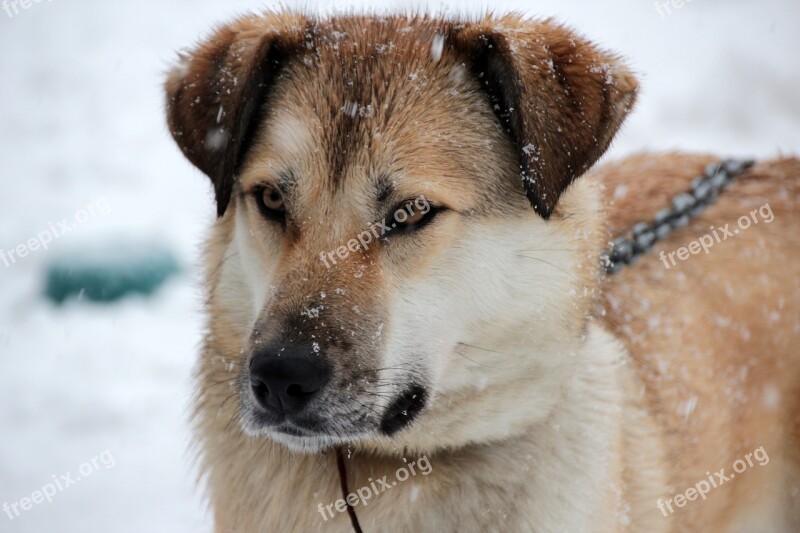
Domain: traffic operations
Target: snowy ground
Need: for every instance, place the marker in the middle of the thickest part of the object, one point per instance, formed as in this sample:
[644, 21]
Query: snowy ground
[81, 122]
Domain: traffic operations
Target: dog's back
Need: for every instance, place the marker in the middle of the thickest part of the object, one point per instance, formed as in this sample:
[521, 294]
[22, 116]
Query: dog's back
[716, 339]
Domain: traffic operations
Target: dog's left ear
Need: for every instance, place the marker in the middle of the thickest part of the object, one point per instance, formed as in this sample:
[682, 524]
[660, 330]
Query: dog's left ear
[216, 94]
[559, 97]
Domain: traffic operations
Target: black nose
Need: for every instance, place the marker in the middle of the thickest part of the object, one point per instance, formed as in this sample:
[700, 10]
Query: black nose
[285, 378]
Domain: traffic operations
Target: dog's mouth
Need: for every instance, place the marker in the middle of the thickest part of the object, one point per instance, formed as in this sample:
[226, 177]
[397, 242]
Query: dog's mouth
[322, 427]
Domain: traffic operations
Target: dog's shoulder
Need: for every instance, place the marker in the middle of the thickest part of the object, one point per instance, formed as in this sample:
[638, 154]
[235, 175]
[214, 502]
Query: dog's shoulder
[710, 318]
[636, 187]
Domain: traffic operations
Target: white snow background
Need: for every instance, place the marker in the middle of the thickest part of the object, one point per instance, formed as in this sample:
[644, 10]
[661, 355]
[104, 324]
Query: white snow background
[81, 119]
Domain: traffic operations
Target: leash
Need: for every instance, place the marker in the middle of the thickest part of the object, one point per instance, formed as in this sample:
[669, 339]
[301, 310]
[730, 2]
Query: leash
[685, 206]
[345, 491]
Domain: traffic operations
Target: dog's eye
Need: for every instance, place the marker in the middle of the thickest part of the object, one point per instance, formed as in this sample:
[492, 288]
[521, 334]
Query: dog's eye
[412, 216]
[270, 203]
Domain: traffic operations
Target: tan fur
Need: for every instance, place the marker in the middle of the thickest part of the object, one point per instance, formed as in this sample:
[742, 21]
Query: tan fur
[557, 399]
[721, 328]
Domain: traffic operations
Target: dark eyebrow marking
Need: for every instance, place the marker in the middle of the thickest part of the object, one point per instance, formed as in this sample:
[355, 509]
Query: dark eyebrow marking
[287, 180]
[385, 187]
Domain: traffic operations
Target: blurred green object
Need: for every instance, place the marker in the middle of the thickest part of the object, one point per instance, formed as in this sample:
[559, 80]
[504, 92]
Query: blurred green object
[106, 274]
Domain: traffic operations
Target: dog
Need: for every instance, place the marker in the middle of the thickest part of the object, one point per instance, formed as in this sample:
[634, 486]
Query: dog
[468, 366]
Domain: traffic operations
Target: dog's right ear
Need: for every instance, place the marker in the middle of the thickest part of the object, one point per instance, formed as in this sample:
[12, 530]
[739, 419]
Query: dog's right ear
[215, 93]
[560, 98]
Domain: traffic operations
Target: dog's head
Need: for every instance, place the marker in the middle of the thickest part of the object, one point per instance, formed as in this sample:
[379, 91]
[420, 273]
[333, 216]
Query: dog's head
[396, 240]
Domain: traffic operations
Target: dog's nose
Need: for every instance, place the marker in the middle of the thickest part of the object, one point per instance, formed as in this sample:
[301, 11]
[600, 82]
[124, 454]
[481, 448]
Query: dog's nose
[286, 378]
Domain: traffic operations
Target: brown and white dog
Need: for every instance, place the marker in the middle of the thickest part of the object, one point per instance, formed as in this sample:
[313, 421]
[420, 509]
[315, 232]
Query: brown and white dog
[475, 333]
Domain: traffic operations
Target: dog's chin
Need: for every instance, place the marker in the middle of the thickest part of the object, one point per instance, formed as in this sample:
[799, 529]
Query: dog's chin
[301, 441]
[305, 436]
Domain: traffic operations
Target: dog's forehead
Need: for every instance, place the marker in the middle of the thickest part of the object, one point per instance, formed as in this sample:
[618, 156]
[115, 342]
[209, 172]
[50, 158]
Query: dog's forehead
[378, 98]
[385, 106]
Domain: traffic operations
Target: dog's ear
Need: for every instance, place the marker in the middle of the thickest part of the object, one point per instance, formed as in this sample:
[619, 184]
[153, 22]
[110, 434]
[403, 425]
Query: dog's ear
[215, 93]
[560, 98]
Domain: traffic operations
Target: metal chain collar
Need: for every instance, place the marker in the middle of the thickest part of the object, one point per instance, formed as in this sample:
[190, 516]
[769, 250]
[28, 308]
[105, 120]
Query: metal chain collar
[685, 206]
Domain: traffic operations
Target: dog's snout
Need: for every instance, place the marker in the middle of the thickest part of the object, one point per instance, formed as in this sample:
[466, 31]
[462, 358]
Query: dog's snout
[285, 379]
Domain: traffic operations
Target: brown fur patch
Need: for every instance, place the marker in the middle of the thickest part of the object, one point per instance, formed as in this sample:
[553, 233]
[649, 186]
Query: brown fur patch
[714, 339]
